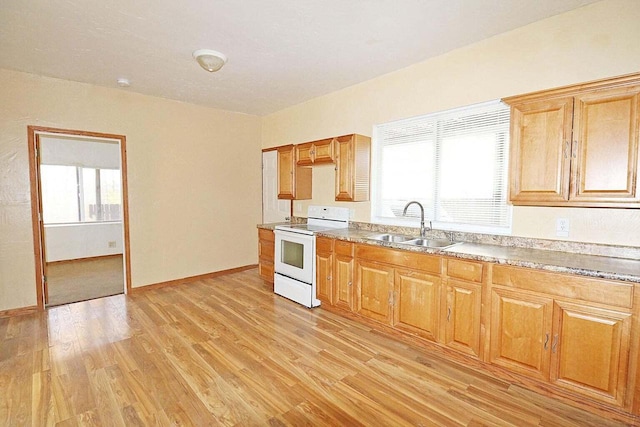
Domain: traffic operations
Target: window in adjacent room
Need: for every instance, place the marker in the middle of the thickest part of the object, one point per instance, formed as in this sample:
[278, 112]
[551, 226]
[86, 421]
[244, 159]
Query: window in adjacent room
[453, 162]
[74, 194]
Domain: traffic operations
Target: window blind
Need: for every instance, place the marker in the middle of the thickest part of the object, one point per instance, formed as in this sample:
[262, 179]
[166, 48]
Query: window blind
[453, 162]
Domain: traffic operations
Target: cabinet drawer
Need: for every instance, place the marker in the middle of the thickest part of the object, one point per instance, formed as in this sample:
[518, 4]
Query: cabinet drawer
[407, 259]
[324, 245]
[266, 235]
[565, 285]
[342, 247]
[465, 270]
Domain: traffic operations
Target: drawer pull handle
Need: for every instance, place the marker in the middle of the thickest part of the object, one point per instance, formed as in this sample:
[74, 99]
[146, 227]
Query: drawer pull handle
[554, 346]
[546, 340]
[448, 314]
[566, 149]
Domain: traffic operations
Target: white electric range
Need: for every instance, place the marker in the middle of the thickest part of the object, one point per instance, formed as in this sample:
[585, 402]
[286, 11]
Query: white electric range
[295, 253]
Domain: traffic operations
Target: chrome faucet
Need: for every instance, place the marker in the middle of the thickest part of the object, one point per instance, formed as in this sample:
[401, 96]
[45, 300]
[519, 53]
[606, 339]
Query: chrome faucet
[423, 229]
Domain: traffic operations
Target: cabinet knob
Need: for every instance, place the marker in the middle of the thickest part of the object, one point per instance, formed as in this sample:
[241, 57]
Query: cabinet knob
[348, 283]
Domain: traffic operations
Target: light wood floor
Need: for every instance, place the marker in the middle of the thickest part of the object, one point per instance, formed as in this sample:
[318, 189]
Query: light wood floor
[80, 280]
[227, 351]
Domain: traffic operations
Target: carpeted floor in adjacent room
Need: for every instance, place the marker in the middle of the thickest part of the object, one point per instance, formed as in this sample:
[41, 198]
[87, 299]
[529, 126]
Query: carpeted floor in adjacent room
[80, 280]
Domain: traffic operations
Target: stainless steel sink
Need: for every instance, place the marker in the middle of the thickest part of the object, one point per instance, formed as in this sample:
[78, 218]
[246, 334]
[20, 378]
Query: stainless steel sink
[414, 241]
[431, 243]
[391, 238]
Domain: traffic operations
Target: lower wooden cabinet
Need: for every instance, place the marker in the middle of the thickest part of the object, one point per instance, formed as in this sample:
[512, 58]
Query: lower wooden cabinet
[407, 299]
[568, 333]
[374, 291]
[590, 350]
[462, 306]
[416, 303]
[266, 249]
[462, 317]
[343, 266]
[578, 345]
[521, 332]
[324, 269]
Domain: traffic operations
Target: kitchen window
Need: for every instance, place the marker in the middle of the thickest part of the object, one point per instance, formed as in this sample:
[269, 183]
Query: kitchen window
[72, 194]
[453, 162]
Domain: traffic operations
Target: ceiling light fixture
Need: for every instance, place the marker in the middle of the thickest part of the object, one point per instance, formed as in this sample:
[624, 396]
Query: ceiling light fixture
[210, 60]
[122, 82]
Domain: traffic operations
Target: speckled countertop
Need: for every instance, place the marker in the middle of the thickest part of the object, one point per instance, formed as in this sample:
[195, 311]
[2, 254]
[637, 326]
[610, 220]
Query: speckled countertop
[574, 258]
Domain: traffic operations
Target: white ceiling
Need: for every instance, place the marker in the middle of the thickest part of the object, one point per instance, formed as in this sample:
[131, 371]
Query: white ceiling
[281, 52]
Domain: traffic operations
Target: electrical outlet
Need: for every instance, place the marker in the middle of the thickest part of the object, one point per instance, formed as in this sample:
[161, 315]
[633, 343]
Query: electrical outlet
[562, 227]
[112, 244]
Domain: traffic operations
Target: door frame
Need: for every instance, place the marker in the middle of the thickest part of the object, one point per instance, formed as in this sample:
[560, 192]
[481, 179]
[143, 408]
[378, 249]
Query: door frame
[34, 180]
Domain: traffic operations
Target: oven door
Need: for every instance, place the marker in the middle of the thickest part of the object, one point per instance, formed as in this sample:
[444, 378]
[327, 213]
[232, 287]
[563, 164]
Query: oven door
[294, 255]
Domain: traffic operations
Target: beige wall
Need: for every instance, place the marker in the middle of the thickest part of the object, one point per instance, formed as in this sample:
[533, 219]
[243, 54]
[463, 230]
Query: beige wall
[597, 41]
[194, 179]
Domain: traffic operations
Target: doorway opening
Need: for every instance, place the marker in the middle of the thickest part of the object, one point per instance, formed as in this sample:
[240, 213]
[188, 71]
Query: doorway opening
[79, 213]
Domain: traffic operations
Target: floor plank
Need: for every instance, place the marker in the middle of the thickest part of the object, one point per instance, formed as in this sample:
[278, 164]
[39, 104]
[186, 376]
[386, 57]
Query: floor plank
[227, 351]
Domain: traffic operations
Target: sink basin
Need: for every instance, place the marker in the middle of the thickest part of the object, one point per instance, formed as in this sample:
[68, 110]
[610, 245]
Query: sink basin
[414, 241]
[392, 238]
[432, 243]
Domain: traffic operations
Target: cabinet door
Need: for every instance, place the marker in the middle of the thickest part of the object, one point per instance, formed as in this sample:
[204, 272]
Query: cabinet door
[286, 160]
[521, 332]
[416, 303]
[266, 247]
[304, 154]
[324, 269]
[353, 167]
[540, 151]
[374, 291]
[462, 316]
[590, 349]
[323, 151]
[344, 169]
[343, 282]
[605, 152]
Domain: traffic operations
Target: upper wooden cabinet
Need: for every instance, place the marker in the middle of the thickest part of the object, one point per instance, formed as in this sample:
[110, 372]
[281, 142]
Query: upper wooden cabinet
[353, 164]
[577, 146]
[540, 135]
[350, 153]
[316, 152]
[294, 182]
